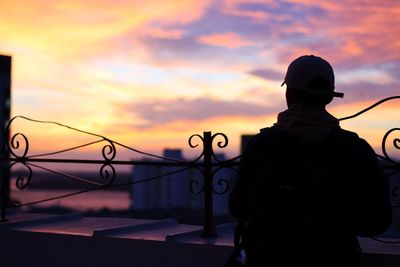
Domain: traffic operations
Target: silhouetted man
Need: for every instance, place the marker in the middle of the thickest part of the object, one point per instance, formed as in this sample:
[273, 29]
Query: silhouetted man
[307, 188]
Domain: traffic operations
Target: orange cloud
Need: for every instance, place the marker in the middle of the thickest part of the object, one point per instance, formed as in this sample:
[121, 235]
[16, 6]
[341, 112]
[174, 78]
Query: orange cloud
[77, 26]
[352, 48]
[162, 33]
[229, 39]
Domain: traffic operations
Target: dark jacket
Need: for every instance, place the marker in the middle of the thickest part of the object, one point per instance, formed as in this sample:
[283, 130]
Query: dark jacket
[353, 198]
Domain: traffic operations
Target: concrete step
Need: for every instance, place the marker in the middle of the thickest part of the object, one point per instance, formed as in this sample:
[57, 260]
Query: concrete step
[126, 241]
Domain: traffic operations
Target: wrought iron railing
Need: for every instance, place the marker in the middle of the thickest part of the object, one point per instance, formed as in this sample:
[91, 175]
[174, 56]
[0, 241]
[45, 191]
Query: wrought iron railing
[17, 152]
[207, 163]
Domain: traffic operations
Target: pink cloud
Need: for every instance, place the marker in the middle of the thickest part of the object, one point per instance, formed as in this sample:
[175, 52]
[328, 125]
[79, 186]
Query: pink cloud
[232, 7]
[229, 39]
[156, 32]
[328, 5]
[363, 34]
[352, 32]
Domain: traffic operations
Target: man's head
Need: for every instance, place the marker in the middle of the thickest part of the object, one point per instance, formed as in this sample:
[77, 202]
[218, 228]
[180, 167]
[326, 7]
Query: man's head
[310, 80]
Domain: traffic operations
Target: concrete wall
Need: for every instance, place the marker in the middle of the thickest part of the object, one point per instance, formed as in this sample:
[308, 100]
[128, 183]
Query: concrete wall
[44, 249]
[19, 248]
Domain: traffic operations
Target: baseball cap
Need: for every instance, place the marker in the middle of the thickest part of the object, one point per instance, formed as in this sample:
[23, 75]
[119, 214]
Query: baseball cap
[303, 70]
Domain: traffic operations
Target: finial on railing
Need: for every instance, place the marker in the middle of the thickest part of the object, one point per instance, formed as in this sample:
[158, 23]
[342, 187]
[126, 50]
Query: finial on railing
[208, 171]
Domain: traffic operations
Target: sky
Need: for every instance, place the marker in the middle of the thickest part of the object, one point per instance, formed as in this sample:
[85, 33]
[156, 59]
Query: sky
[149, 74]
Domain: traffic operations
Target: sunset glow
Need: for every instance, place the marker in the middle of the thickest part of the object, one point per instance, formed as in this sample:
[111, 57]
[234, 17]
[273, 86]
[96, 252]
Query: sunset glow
[150, 74]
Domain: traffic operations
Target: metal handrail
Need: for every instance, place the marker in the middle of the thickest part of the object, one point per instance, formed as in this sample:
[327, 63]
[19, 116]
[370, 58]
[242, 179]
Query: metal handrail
[207, 163]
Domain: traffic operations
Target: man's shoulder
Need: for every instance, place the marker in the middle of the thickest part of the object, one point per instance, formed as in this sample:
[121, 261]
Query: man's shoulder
[266, 138]
[343, 133]
[347, 136]
[272, 136]
[351, 141]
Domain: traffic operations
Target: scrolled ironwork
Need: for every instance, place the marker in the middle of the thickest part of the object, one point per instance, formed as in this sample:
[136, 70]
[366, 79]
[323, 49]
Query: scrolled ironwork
[194, 183]
[222, 182]
[107, 172]
[190, 142]
[14, 145]
[396, 145]
[109, 151]
[221, 144]
[23, 181]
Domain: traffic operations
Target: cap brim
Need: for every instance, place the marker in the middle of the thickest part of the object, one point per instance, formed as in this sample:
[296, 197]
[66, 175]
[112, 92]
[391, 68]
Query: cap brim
[338, 94]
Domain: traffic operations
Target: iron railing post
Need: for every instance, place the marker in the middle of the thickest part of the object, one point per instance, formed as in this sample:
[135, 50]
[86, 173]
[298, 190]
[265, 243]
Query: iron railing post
[5, 92]
[5, 190]
[208, 227]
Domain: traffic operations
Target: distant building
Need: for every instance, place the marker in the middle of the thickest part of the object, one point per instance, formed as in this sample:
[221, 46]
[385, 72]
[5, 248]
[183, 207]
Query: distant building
[5, 89]
[173, 191]
[5, 92]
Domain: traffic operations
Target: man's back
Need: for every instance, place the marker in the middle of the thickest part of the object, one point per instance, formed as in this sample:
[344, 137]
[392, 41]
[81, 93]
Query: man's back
[305, 187]
[304, 201]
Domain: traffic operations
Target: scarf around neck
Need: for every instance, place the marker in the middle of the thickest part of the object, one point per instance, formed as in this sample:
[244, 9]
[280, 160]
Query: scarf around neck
[310, 123]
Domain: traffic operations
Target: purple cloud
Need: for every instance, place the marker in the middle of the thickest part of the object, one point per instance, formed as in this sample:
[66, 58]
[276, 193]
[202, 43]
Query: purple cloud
[164, 111]
[347, 35]
[268, 74]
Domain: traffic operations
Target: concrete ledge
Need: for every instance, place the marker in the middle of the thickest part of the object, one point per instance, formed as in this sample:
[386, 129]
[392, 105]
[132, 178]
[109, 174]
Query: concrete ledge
[17, 220]
[389, 246]
[224, 238]
[156, 230]
[21, 248]
[73, 240]
[150, 224]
